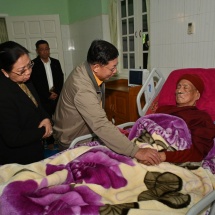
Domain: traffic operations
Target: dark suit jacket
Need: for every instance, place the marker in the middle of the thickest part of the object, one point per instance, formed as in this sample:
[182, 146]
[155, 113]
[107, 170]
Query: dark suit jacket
[40, 81]
[20, 137]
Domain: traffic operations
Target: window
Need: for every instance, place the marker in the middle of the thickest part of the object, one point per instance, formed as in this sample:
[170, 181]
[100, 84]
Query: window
[133, 33]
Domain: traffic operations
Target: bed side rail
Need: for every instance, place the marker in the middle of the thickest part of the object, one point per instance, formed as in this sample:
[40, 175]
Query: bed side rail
[81, 138]
[202, 204]
[150, 90]
[90, 136]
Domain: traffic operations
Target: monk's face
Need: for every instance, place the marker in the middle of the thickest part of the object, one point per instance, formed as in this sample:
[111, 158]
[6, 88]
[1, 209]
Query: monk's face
[186, 94]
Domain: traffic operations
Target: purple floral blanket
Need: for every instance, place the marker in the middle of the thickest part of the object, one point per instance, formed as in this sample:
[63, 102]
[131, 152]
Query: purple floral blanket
[95, 180]
[167, 132]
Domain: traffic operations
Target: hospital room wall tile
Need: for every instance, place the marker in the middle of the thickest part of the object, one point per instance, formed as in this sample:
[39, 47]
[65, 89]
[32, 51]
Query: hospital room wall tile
[175, 34]
[172, 29]
[167, 38]
[207, 53]
[155, 57]
[166, 71]
[177, 57]
[154, 17]
[207, 6]
[191, 56]
[171, 58]
[171, 47]
[68, 64]
[163, 58]
[154, 36]
[177, 8]
[167, 58]
[178, 32]
[65, 31]
[95, 26]
[68, 59]
[207, 27]
[163, 27]
[191, 7]
[171, 13]
[162, 8]
[213, 48]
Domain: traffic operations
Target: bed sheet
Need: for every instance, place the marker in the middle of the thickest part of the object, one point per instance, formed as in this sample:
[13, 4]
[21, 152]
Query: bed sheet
[94, 180]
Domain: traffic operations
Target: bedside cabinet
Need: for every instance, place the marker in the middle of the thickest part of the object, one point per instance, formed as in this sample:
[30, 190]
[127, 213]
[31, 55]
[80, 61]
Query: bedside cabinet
[120, 101]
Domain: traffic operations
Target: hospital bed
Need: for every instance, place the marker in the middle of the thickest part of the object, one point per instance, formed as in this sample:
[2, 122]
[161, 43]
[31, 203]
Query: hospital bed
[95, 180]
[154, 97]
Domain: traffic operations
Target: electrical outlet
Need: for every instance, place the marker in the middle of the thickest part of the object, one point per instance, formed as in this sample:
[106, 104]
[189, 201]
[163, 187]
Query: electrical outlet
[190, 28]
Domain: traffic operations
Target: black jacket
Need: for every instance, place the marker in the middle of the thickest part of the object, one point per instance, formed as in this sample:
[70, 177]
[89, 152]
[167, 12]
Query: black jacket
[20, 137]
[39, 79]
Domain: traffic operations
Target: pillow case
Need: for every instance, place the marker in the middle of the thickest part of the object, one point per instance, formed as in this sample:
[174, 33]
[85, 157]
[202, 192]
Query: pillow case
[207, 100]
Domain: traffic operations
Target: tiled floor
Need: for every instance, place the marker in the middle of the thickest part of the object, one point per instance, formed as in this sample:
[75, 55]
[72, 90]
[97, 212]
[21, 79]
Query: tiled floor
[49, 151]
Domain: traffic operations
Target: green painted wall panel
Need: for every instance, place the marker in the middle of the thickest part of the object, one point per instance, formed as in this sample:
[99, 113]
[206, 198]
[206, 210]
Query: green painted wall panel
[70, 11]
[84, 9]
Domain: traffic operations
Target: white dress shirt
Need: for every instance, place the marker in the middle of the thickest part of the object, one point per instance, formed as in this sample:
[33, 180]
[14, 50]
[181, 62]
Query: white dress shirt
[49, 73]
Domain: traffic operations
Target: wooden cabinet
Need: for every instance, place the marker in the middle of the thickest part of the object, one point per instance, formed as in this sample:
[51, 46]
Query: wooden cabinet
[120, 101]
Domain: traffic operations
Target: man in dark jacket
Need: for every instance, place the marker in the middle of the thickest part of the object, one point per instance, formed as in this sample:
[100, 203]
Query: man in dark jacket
[47, 77]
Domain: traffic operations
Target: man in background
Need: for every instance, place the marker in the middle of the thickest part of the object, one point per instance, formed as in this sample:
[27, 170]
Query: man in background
[47, 77]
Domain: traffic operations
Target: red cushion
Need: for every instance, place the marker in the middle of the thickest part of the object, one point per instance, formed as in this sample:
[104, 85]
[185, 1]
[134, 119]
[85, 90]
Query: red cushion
[153, 107]
[207, 100]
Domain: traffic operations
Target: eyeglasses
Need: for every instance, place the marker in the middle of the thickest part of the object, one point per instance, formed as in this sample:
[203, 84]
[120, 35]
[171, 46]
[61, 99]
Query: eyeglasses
[23, 69]
[112, 70]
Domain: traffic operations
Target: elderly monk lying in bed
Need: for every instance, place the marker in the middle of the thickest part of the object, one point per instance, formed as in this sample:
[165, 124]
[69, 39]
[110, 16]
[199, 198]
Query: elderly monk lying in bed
[188, 91]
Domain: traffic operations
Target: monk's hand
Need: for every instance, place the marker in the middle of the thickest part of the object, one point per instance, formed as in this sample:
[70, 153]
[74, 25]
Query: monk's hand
[162, 156]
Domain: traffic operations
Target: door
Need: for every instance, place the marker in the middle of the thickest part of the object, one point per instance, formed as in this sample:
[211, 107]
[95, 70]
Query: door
[134, 33]
[27, 30]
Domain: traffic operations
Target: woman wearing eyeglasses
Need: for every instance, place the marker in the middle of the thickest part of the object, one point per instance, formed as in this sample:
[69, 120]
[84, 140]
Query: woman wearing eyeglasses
[23, 123]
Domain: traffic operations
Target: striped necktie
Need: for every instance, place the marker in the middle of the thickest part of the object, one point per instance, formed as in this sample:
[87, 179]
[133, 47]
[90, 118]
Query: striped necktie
[28, 93]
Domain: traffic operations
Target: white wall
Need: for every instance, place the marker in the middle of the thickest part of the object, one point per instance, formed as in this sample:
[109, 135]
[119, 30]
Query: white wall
[170, 45]
[78, 37]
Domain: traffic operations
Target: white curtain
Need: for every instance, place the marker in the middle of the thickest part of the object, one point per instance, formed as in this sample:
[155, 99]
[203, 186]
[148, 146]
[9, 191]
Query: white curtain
[3, 31]
[113, 21]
